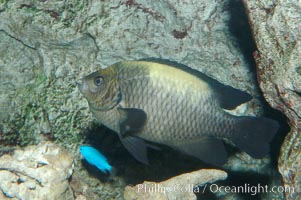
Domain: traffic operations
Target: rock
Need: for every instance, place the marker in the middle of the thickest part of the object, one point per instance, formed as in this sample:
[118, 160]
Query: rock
[87, 186]
[81, 197]
[276, 28]
[46, 46]
[36, 172]
[178, 187]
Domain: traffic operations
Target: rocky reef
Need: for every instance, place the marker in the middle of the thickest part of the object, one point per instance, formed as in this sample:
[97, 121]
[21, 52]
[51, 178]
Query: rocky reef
[36, 172]
[276, 28]
[47, 46]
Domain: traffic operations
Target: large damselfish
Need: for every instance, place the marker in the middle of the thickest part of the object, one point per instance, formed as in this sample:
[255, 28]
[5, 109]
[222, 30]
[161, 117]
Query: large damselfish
[164, 102]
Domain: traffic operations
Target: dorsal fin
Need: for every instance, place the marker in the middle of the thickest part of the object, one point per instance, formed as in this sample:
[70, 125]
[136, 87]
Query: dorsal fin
[229, 97]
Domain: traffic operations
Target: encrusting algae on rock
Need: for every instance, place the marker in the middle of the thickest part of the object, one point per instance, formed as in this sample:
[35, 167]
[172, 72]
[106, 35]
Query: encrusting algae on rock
[164, 102]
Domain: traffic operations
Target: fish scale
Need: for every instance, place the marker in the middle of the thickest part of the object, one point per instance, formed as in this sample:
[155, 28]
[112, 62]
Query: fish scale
[163, 102]
[168, 125]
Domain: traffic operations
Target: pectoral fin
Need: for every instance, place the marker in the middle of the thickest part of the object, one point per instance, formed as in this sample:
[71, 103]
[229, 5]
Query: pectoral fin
[209, 150]
[137, 147]
[131, 121]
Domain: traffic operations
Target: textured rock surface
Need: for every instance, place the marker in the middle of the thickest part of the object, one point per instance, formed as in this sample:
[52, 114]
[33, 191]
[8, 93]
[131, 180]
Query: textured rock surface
[87, 186]
[46, 46]
[277, 31]
[36, 172]
[179, 187]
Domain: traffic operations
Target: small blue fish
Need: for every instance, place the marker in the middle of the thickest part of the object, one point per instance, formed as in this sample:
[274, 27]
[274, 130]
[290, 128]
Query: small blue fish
[95, 158]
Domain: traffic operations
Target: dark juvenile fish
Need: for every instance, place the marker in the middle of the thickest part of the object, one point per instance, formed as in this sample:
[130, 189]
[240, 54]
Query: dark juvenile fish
[168, 103]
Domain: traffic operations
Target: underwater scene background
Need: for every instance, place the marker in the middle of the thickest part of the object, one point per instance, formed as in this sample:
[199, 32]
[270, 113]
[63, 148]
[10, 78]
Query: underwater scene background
[47, 47]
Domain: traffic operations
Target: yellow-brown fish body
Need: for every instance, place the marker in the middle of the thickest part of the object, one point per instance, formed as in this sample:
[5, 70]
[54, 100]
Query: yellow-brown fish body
[163, 103]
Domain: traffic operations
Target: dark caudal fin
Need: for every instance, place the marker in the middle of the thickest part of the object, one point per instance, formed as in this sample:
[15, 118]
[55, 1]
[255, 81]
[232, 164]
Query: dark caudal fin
[254, 134]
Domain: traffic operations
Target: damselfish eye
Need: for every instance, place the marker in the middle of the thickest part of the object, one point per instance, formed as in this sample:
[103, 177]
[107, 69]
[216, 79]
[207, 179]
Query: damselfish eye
[98, 80]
